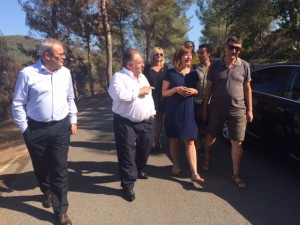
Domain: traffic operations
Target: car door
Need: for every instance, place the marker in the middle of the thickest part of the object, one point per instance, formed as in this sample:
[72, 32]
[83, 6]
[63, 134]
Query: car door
[271, 114]
[293, 141]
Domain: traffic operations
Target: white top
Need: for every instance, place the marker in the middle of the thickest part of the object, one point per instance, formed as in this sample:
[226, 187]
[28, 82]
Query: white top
[124, 90]
[43, 96]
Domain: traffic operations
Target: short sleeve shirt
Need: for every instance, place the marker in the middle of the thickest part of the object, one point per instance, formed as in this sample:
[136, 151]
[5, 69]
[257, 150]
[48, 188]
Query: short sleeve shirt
[228, 85]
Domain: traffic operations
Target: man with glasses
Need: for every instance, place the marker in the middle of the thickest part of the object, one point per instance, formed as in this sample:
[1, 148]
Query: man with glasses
[229, 92]
[45, 112]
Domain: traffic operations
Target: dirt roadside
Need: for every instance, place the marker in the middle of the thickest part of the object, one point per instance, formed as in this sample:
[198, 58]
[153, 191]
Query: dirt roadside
[11, 140]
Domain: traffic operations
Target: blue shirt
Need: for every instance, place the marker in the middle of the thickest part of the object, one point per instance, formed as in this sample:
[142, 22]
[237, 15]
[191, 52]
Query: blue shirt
[43, 96]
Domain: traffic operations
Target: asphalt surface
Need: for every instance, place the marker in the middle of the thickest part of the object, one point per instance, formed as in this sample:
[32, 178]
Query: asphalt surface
[95, 197]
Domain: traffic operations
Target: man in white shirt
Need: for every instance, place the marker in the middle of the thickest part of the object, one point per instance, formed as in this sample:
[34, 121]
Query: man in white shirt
[45, 112]
[134, 111]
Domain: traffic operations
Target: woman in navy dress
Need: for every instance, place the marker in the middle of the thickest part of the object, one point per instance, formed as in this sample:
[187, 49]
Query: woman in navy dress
[179, 86]
[155, 72]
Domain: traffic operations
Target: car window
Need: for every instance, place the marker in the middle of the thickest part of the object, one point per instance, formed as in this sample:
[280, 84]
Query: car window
[296, 87]
[271, 80]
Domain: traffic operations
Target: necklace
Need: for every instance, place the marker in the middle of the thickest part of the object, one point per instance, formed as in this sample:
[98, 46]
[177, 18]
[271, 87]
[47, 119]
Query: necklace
[183, 72]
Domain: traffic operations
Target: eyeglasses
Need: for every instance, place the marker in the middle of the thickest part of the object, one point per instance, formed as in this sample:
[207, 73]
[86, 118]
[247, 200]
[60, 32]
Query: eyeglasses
[59, 56]
[236, 48]
[159, 54]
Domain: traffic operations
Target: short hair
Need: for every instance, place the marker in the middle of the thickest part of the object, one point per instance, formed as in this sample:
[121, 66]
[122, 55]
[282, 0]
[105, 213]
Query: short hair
[47, 46]
[207, 46]
[190, 42]
[180, 51]
[154, 51]
[234, 39]
[128, 56]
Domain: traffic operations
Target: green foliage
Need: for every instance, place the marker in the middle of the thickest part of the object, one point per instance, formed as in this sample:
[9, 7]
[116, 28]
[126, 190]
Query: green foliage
[264, 25]
[8, 73]
[18, 46]
[159, 23]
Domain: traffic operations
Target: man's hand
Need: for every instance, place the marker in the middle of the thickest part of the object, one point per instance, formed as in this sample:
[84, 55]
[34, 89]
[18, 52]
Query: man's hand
[73, 128]
[249, 115]
[145, 90]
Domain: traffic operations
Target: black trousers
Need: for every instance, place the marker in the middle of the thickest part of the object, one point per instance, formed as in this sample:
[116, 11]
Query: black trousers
[48, 146]
[133, 141]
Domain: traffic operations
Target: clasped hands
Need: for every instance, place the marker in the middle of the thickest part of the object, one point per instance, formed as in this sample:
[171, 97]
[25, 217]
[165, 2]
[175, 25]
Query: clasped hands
[185, 92]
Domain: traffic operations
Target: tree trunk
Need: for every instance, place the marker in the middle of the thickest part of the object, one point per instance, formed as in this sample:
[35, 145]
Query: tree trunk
[108, 41]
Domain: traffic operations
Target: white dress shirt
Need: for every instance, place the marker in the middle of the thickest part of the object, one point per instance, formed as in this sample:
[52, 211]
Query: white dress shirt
[43, 96]
[124, 90]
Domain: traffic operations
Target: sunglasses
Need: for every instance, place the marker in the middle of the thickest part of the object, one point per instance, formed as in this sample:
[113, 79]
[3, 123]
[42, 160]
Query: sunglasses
[159, 54]
[231, 47]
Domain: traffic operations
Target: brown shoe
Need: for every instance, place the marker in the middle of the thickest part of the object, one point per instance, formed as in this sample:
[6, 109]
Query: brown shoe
[64, 219]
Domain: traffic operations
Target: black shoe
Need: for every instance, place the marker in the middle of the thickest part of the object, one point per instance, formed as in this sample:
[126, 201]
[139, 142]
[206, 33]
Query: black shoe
[64, 219]
[157, 148]
[142, 175]
[128, 194]
[47, 201]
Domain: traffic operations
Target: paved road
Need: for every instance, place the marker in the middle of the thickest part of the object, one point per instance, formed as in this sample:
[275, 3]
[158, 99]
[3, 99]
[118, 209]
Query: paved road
[95, 194]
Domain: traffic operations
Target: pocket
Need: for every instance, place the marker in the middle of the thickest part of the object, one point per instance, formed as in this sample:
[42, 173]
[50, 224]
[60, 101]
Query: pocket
[26, 134]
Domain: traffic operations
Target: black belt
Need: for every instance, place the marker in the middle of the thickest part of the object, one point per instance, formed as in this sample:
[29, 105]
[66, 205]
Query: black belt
[49, 123]
[123, 118]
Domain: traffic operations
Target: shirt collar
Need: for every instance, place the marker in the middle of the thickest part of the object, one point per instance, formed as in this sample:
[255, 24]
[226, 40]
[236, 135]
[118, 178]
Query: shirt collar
[238, 61]
[43, 69]
[128, 72]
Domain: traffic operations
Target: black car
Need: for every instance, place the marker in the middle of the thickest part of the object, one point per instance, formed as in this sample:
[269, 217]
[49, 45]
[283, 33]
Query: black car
[276, 107]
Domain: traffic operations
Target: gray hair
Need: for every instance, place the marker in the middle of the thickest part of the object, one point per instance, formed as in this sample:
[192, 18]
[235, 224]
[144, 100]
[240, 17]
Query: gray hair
[47, 46]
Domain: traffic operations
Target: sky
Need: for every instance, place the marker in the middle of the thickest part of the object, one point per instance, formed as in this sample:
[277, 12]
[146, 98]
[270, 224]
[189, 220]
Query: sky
[12, 21]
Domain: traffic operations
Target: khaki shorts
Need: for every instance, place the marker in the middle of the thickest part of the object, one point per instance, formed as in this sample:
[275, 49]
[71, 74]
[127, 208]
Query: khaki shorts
[236, 121]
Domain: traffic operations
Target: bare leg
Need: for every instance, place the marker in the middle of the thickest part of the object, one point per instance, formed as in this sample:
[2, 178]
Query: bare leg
[209, 142]
[174, 150]
[191, 155]
[236, 155]
[198, 141]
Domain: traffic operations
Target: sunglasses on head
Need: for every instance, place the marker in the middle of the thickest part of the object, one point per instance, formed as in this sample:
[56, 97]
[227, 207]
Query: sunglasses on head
[231, 47]
[159, 54]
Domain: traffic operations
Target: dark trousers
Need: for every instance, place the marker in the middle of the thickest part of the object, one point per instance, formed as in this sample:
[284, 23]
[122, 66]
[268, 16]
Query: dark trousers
[133, 141]
[48, 145]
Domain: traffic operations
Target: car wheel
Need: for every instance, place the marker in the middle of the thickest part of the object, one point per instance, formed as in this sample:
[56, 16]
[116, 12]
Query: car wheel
[225, 133]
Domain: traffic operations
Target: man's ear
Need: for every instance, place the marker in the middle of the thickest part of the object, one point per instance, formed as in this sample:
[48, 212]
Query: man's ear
[130, 65]
[47, 55]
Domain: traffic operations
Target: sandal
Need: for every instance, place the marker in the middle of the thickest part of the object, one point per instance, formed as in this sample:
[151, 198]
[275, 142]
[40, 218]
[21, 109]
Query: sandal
[206, 164]
[238, 181]
[197, 179]
[175, 171]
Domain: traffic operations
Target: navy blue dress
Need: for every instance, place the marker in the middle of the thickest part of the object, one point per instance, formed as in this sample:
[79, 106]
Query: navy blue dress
[179, 119]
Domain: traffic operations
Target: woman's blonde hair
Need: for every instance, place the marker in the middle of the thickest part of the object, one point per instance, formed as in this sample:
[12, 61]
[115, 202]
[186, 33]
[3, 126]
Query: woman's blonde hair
[154, 51]
[181, 50]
